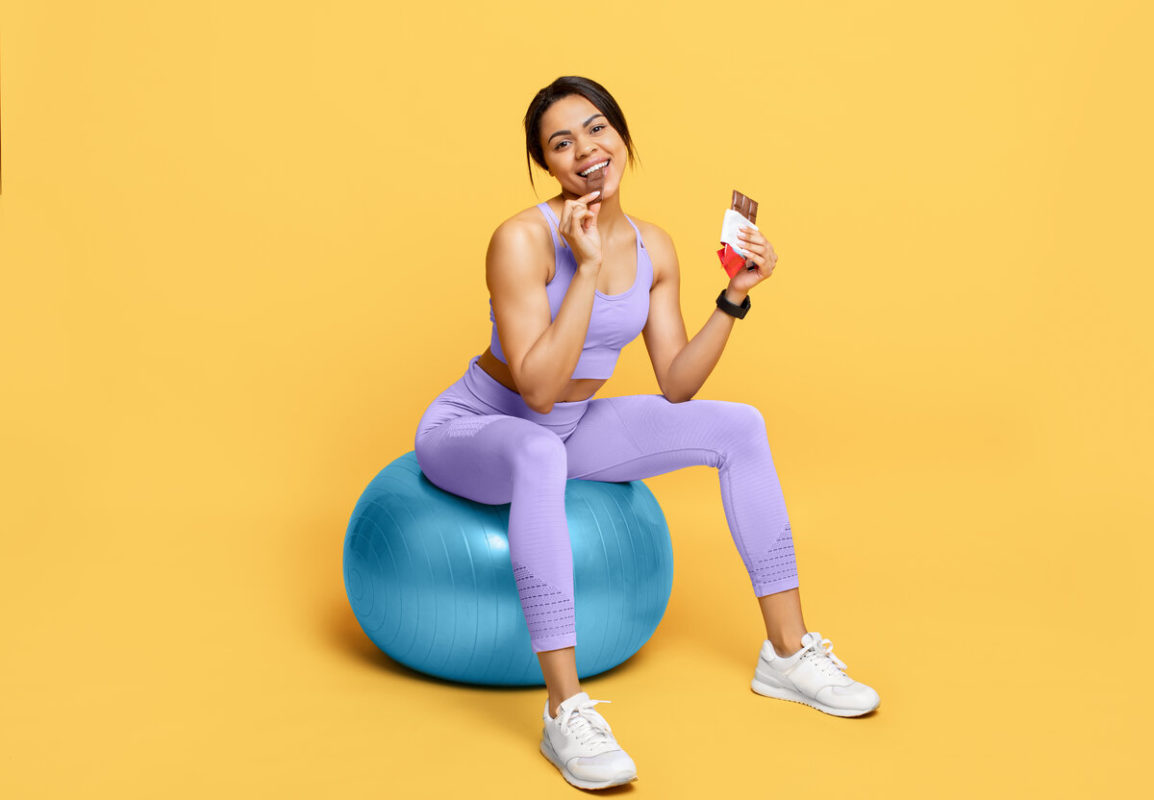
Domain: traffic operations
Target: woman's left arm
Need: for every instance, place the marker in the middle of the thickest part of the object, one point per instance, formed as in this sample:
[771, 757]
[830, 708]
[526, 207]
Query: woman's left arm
[682, 364]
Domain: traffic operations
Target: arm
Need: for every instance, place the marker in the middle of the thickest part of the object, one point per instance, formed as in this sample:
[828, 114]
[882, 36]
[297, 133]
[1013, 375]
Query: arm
[541, 354]
[682, 365]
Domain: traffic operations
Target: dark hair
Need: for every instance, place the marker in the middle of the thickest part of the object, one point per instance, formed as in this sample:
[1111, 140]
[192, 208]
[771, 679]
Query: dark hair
[565, 86]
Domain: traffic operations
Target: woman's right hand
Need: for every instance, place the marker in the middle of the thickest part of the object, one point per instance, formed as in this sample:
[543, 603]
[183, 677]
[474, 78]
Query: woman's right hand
[578, 226]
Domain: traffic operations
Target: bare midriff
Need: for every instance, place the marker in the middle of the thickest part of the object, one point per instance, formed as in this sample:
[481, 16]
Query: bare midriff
[578, 388]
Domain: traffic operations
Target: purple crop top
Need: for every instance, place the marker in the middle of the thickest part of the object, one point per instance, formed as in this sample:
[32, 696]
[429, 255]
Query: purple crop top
[616, 319]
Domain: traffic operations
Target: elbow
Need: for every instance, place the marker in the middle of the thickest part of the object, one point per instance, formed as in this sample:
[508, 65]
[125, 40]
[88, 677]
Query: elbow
[672, 388]
[533, 397]
[538, 404]
[540, 408]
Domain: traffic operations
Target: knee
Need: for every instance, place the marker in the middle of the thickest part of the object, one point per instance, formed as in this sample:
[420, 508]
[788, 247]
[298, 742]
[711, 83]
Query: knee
[541, 452]
[740, 428]
[743, 421]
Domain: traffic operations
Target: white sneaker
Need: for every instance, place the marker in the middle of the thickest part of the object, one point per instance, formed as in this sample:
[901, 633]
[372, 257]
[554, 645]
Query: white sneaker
[814, 676]
[580, 743]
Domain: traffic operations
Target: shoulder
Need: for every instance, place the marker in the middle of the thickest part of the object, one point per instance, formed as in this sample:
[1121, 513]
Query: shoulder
[660, 246]
[521, 244]
[654, 235]
[526, 228]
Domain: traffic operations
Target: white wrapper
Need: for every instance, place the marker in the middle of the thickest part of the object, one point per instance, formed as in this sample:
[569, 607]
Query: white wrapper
[731, 224]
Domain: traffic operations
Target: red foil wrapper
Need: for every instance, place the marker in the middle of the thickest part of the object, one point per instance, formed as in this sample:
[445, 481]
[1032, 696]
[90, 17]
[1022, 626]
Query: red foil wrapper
[732, 261]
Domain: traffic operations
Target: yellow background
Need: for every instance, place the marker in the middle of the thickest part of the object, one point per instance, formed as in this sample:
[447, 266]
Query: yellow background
[242, 249]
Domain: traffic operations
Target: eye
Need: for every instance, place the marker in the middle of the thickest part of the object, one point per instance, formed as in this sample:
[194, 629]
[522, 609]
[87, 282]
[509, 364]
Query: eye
[594, 129]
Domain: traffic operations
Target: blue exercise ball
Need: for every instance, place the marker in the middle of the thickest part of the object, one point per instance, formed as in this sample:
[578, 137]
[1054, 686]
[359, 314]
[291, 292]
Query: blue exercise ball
[430, 580]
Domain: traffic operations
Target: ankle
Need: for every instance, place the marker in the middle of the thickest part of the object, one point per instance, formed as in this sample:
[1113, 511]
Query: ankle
[556, 698]
[785, 644]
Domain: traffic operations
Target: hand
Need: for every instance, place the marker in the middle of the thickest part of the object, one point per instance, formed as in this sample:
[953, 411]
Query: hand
[578, 227]
[762, 259]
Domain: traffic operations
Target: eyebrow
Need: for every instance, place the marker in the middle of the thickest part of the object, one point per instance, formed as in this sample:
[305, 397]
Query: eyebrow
[570, 133]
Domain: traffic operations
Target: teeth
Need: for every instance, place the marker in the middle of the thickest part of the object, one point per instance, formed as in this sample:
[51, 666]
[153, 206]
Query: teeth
[593, 169]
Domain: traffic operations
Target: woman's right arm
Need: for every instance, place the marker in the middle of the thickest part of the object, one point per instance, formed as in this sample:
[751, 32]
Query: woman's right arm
[541, 354]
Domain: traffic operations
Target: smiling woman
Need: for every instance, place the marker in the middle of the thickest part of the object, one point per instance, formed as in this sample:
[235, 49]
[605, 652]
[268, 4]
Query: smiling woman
[571, 281]
[608, 115]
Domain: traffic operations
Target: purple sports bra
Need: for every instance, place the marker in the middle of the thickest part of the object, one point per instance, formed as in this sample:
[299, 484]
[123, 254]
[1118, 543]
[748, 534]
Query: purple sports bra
[616, 319]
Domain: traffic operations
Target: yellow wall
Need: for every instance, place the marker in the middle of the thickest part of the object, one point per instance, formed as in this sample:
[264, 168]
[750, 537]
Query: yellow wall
[242, 246]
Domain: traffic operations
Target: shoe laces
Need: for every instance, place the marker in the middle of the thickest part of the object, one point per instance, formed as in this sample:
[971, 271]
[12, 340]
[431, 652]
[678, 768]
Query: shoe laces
[822, 657]
[587, 725]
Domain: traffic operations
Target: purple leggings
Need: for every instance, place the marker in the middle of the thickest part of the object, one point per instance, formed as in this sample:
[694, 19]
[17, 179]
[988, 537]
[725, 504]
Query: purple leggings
[479, 440]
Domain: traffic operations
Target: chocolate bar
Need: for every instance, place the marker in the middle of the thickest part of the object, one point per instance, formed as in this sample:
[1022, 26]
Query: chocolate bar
[594, 182]
[742, 211]
[745, 206]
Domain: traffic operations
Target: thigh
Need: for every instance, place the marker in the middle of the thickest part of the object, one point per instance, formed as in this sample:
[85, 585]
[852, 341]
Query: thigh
[476, 455]
[636, 437]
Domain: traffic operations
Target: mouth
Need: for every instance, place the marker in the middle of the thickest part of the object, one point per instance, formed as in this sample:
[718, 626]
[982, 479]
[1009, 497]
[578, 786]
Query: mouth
[597, 169]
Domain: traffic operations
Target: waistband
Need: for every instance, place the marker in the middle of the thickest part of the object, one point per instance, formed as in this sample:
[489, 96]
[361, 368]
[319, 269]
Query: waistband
[485, 388]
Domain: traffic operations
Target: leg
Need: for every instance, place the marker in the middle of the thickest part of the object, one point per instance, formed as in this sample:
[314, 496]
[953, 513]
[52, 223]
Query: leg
[496, 458]
[501, 459]
[560, 670]
[630, 438]
[784, 625]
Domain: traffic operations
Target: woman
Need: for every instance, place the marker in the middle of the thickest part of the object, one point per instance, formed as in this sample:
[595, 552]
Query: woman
[571, 281]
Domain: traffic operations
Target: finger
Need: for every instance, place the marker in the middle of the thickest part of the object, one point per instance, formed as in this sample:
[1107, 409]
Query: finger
[565, 228]
[585, 198]
[579, 216]
[567, 216]
[573, 210]
[589, 221]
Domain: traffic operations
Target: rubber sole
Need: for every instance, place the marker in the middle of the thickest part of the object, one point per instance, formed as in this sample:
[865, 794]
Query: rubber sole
[769, 690]
[549, 753]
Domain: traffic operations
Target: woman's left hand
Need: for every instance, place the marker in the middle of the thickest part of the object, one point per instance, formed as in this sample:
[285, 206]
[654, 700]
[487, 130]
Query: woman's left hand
[761, 256]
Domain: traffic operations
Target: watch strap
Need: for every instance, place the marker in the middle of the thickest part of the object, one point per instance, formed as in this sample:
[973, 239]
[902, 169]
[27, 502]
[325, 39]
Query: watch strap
[733, 310]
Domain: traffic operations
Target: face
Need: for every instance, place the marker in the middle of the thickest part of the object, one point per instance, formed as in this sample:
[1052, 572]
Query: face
[575, 135]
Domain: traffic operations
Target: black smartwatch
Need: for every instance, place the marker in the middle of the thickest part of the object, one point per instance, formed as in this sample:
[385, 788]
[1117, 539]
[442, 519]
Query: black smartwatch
[732, 310]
